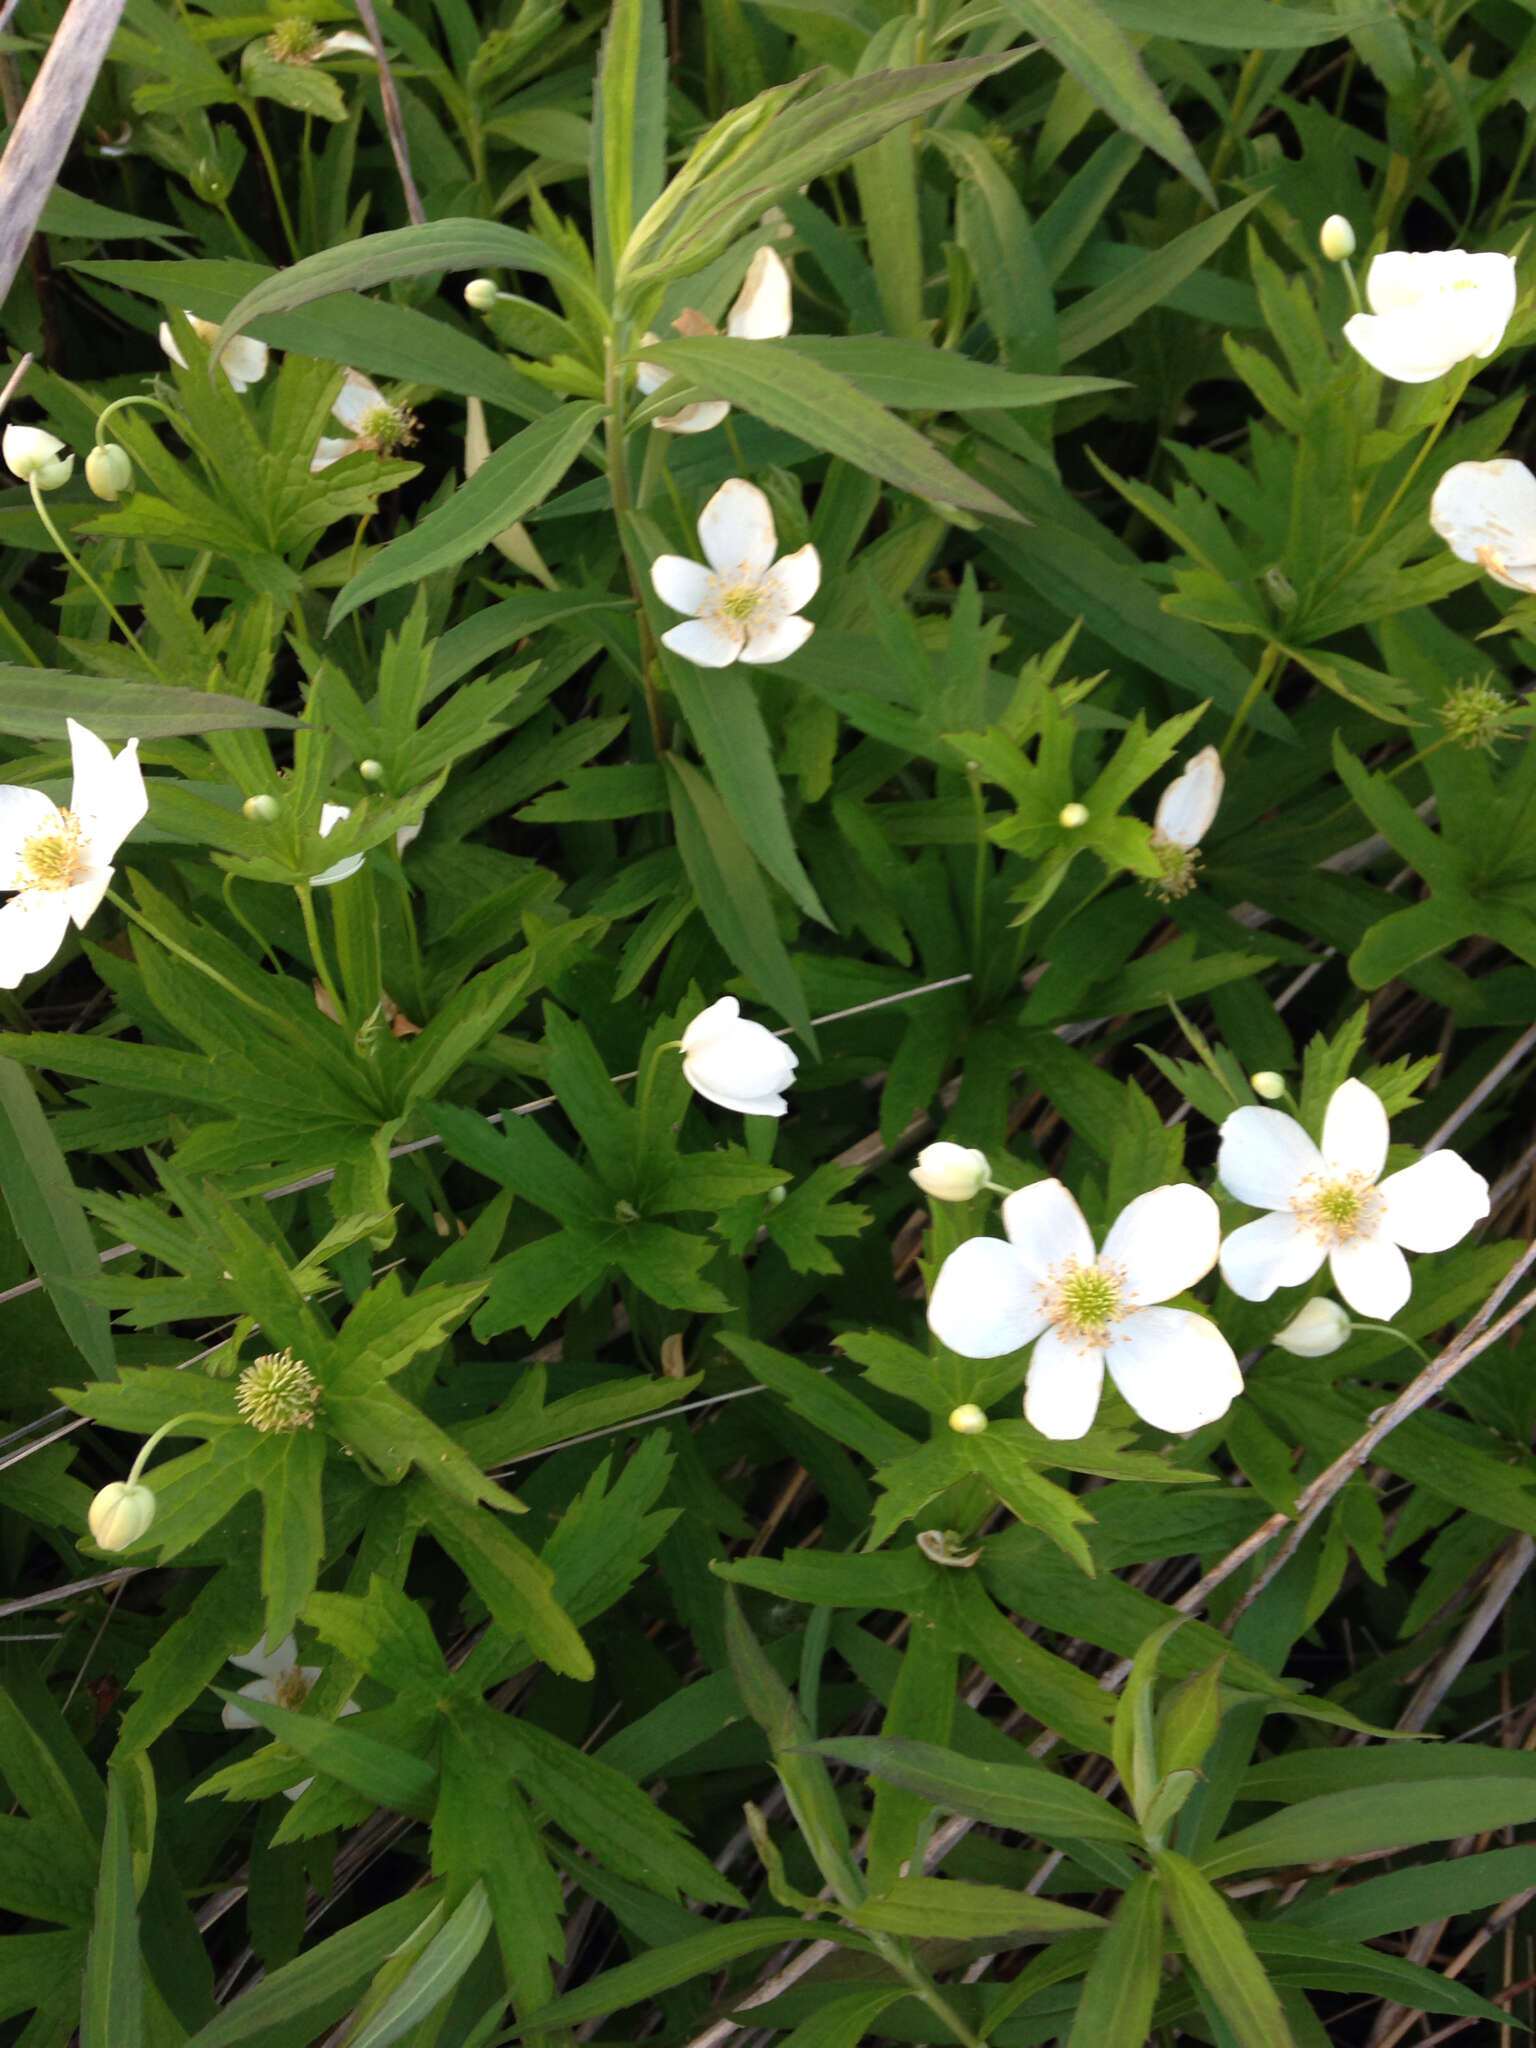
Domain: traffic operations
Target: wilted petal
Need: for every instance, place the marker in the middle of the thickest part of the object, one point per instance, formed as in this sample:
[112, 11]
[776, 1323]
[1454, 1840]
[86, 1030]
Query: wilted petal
[244, 361]
[984, 1302]
[1176, 1369]
[328, 449]
[1165, 1240]
[340, 871]
[1485, 512]
[32, 929]
[707, 643]
[1265, 1155]
[762, 310]
[356, 399]
[168, 343]
[1432, 1205]
[680, 583]
[1061, 1394]
[1275, 1251]
[776, 641]
[1188, 806]
[1372, 1275]
[697, 418]
[736, 529]
[1046, 1229]
[346, 43]
[795, 579]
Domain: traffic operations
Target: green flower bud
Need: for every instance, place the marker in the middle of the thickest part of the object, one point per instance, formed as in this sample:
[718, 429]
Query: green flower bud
[1072, 816]
[109, 471]
[120, 1514]
[261, 810]
[480, 294]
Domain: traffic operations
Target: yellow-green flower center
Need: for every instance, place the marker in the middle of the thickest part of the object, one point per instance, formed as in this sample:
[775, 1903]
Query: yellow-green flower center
[1178, 865]
[278, 1392]
[385, 427]
[741, 603]
[55, 857]
[290, 1688]
[293, 41]
[1336, 1207]
[1083, 1301]
[1475, 714]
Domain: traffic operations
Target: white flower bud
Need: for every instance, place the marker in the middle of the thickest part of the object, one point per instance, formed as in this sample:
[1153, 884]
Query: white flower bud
[1071, 816]
[109, 471]
[1268, 1086]
[120, 1514]
[261, 810]
[1315, 1330]
[951, 1173]
[968, 1419]
[735, 1063]
[32, 453]
[371, 770]
[480, 294]
[1336, 238]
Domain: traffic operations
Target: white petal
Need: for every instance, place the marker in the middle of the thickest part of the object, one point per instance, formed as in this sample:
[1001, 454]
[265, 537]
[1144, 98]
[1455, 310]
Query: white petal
[650, 377]
[356, 399]
[680, 583]
[1395, 279]
[83, 899]
[1046, 1229]
[23, 812]
[1372, 1275]
[332, 815]
[407, 835]
[1355, 1131]
[32, 929]
[267, 1664]
[1188, 806]
[736, 529]
[698, 418]
[341, 871]
[984, 1303]
[108, 795]
[346, 42]
[1487, 508]
[795, 579]
[235, 1717]
[168, 343]
[1432, 1205]
[1264, 1157]
[297, 1791]
[1176, 1369]
[1166, 1240]
[1061, 1394]
[745, 1067]
[710, 1023]
[1276, 1251]
[328, 449]
[762, 308]
[776, 641]
[244, 362]
[707, 643]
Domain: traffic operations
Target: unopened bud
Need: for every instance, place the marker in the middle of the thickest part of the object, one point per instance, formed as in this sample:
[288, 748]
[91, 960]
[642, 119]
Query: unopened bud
[1071, 816]
[371, 770]
[1268, 1086]
[109, 471]
[37, 456]
[1315, 1330]
[951, 1173]
[261, 810]
[776, 1197]
[968, 1419]
[480, 294]
[1336, 238]
[120, 1514]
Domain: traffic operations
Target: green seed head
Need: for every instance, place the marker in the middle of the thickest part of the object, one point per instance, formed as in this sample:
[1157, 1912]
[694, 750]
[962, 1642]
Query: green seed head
[1476, 715]
[278, 1392]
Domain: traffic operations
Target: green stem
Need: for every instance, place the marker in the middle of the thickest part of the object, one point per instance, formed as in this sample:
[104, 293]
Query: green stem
[1408, 476]
[84, 574]
[176, 419]
[1386, 1330]
[190, 959]
[189, 1415]
[248, 107]
[1256, 688]
[917, 1979]
[306, 895]
[979, 879]
[654, 467]
[618, 485]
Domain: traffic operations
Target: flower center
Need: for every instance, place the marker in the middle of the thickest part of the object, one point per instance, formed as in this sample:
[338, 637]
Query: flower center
[1178, 869]
[290, 1688]
[278, 1392]
[55, 858]
[741, 603]
[1083, 1301]
[385, 427]
[293, 40]
[1337, 1207]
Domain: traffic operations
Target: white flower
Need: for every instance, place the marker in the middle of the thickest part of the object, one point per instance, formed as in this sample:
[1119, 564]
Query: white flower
[1317, 1328]
[1429, 313]
[735, 1063]
[745, 603]
[243, 360]
[377, 427]
[1336, 238]
[59, 862]
[1334, 1204]
[281, 1681]
[761, 313]
[33, 454]
[1186, 811]
[951, 1173]
[1091, 1310]
[1485, 512]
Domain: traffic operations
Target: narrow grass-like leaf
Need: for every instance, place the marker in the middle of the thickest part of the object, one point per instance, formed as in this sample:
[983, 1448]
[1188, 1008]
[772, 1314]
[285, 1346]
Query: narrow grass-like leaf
[1218, 1950]
[34, 703]
[112, 2004]
[49, 1220]
[1091, 320]
[1030, 1798]
[1121, 1987]
[432, 1976]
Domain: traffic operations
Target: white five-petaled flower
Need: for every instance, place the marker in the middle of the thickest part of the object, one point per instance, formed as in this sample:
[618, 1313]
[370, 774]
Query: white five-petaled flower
[1485, 512]
[375, 426]
[744, 603]
[59, 862]
[280, 1681]
[1331, 1203]
[243, 359]
[1091, 1310]
[1186, 810]
[761, 313]
[738, 1064]
[1430, 312]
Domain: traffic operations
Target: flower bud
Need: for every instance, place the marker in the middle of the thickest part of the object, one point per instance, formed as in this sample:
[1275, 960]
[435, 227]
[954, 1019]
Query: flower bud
[735, 1063]
[1336, 238]
[480, 294]
[968, 1419]
[109, 471]
[1071, 816]
[1268, 1086]
[371, 770]
[951, 1173]
[120, 1514]
[1315, 1330]
[261, 810]
[35, 455]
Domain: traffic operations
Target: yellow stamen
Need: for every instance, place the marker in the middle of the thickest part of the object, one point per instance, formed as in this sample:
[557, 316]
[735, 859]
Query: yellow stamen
[55, 857]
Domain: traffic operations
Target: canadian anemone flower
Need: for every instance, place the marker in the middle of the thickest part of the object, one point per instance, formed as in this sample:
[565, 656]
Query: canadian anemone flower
[35, 455]
[1485, 512]
[1430, 312]
[243, 359]
[744, 603]
[1090, 1309]
[280, 1681]
[762, 312]
[1186, 810]
[947, 1172]
[735, 1063]
[375, 427]
[1332, 1203]
[59, 862]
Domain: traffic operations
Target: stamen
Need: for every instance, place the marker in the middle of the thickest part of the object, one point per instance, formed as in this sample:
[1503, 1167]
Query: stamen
[1084, 1301]
[291, 1688]
[1337, 1208]
[1178, 864]
[739, 604]
[55, 857]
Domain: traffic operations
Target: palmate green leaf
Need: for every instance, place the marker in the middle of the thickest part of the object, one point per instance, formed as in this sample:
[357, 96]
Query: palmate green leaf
[48, 1218]
[496, 1842]
[379, 1771]
[1219, 1952]
[224, 1621]
[1126, 1974]
[514, 1584]
[802, 397]
[112, 2004]
[1030, 1798]
[292, 1527]
[1055, 1692]
[829, 1406]
[1086, 41]
[945, 1906]
[1011, 278]
[519, 475]
[34, 703]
